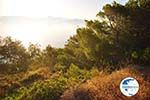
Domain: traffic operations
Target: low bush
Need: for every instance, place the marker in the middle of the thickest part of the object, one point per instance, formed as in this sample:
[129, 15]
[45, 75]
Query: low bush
[50, 89]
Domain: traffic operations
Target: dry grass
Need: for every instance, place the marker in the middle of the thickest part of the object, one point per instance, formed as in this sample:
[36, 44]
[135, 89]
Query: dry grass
[39, 74]
[12, 81]
[106, 87]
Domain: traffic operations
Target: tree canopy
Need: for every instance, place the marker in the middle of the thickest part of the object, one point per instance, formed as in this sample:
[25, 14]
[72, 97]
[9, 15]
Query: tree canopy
[121, 33]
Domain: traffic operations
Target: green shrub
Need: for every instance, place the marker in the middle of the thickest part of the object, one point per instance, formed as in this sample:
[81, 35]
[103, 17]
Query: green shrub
[59, 67]
[48, 90]
[77, 73]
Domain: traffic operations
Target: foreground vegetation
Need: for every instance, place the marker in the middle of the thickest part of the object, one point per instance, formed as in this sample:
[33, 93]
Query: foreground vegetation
[75, 84]
[90, 66]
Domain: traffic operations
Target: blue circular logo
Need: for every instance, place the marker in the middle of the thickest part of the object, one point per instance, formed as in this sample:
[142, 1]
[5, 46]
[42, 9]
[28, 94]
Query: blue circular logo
[129, 86]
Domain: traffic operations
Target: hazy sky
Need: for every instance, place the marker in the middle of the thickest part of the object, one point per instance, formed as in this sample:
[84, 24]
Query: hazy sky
[45, 30]
[28, 21]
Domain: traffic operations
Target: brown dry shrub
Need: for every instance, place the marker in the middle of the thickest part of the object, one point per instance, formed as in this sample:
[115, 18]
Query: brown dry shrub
[107, 87]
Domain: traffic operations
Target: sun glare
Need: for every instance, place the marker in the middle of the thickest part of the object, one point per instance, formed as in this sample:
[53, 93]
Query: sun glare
[27, 31]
